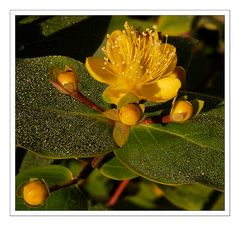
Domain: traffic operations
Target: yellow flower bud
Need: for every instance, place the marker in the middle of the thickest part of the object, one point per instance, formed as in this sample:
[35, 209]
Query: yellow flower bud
[130, 114]
[35, 193]
[181, 111]
[65, 81]
[68, 81]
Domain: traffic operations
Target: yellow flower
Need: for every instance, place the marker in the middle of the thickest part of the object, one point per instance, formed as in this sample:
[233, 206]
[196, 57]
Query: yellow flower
[137, 63]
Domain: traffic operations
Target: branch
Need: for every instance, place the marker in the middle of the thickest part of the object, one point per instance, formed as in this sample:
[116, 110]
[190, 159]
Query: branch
[117, 193]
[82, 99]
[84, 173]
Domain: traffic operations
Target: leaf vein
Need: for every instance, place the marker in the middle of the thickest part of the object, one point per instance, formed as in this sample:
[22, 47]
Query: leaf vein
[182, 137]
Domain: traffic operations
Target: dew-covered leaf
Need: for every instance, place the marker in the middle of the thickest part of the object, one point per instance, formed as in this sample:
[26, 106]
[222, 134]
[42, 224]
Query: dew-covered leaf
[180, 153]
[53, 124]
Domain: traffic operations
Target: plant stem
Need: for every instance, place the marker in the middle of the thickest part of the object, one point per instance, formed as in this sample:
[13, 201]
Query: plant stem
[82, 99]
[152, 120]
[117, 193]
[84, 173]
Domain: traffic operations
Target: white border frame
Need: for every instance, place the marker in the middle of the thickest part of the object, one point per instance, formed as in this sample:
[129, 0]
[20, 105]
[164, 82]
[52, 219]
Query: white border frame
[226, 212]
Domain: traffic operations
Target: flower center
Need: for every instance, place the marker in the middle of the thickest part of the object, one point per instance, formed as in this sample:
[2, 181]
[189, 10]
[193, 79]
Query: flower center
[137, 57]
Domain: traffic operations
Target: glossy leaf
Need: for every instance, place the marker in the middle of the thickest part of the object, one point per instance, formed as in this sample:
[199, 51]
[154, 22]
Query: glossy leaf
[114, 169]
[98, 206]
[175, 25]
[103, 185]
[51, 174]
[219, 203]
[187, 196]
[180, 153]
[53, 124]
[31, 159]
[141, 195]
[70, 198]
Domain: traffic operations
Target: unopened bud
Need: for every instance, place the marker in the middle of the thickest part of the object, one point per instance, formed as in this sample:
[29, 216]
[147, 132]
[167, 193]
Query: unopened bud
[65, 81]
[130, 114]
[182, 111]
[35, 193]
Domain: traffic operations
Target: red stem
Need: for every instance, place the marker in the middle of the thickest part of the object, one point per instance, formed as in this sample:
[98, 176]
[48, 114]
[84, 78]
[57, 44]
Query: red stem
[117, 193]
[147, 121]
[164, 119]
[82, 99]
[83, 174]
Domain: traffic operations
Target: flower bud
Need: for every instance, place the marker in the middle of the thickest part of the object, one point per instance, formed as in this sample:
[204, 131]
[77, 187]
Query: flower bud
[181, 111]
[35, 193]
[65, 81]
[130, 114]
[68, 81]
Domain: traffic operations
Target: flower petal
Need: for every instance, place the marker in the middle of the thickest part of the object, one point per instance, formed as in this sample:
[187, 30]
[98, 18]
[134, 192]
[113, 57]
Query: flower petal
[171, 65]
[113, 95]
[162, 90]
[95, 68]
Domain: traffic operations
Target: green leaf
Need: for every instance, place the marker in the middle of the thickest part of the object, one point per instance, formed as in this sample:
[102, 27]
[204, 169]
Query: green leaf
[32, 159]
[64, 199]
[191, 152]
[53, 124]
[98, 206]
[114, 169]
[51, 174]
[175, 25]
[70, 198]
[98, 187]
[219, 204]
[145, 197]
[187, 196]
[141, 195]
[74, 165]
[74, 36]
